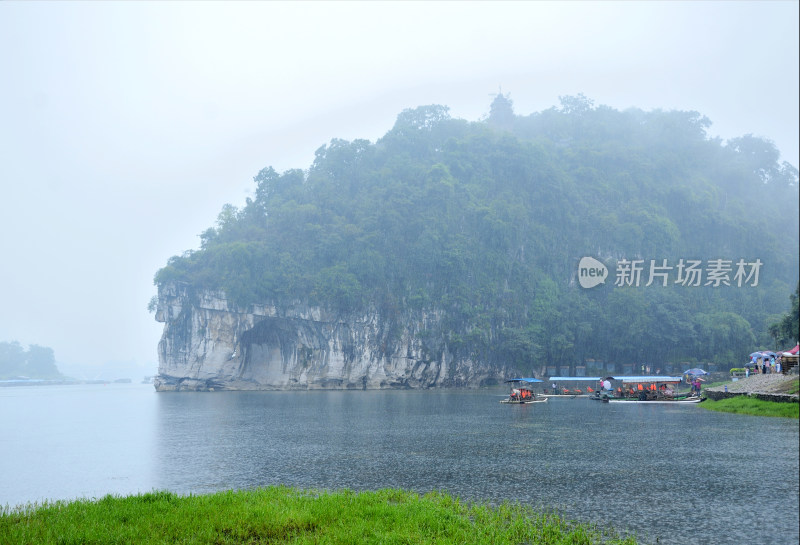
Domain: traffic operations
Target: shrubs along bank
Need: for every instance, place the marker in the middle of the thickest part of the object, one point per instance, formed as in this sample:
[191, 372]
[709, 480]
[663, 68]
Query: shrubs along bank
[279, 515]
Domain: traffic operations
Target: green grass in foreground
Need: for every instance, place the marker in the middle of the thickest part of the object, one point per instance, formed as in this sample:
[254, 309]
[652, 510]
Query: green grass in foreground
[753, 406]
[279, 515]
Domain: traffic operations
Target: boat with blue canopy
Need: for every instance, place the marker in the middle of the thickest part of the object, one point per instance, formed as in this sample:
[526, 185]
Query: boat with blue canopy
[522, 392]
[571, 387]
[647, 389]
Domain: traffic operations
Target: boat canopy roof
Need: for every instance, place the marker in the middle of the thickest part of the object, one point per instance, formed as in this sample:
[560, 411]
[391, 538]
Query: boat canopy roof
[622, 378]
[650, 379]
[531, 380]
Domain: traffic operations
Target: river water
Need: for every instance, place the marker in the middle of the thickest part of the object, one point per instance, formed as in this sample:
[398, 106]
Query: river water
[676, 474]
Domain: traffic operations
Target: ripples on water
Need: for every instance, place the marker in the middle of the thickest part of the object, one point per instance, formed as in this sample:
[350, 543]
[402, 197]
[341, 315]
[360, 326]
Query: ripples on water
[680, 474]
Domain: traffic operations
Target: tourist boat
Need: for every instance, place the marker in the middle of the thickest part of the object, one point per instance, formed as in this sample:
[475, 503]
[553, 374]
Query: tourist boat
[647, 389]
[522, 392]
[579, 387]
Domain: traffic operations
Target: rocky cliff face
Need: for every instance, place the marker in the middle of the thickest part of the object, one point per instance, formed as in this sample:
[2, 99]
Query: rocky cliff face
[209, 344]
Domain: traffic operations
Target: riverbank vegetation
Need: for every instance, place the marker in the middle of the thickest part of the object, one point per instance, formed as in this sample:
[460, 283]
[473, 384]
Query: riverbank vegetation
[749, 405]
[743, 403]
[278, 515]
[485, 224]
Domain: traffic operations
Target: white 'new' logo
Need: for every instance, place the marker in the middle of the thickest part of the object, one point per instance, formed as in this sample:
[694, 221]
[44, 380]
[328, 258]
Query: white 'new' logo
[591, 272]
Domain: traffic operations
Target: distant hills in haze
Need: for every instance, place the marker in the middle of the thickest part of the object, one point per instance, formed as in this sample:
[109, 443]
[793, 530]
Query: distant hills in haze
[38, 362]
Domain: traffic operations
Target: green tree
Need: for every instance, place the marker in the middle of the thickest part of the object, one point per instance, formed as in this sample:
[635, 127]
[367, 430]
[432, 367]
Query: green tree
[788, 329]
[35, 362]
[41, 362]
[12, 359]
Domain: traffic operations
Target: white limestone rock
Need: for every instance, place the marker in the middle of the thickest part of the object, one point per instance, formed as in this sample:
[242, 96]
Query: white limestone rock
[209, 344]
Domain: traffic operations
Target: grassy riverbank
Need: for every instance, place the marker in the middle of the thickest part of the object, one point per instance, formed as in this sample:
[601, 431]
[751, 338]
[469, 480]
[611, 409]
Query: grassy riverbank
[278, 515]
[753, 406]
[745, 402]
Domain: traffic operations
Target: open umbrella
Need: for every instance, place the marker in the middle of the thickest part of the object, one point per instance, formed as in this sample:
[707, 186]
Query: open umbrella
[755, 355]
[695, 372]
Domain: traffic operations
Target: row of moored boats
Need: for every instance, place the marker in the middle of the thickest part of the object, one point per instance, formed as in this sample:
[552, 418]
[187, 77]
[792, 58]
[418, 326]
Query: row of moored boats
[623, 389]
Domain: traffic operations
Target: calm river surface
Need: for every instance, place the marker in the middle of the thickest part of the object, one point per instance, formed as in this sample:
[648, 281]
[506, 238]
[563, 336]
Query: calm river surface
[681, 474]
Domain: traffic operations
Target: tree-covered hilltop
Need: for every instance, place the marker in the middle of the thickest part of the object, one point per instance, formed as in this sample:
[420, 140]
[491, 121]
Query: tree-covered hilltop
[787, 328]
[36, 362]
[487, 221]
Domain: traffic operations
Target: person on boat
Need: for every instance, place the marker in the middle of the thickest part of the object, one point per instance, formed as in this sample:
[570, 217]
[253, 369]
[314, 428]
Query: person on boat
[555, 388]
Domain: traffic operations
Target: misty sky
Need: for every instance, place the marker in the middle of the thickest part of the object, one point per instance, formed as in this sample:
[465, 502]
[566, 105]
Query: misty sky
[125, 126]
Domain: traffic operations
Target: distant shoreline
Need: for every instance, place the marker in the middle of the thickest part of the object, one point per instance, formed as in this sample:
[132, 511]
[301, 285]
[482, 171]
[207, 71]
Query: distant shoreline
[60, 382]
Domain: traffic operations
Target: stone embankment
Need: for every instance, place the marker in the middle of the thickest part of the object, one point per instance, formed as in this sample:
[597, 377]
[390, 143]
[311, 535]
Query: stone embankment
[767, 387]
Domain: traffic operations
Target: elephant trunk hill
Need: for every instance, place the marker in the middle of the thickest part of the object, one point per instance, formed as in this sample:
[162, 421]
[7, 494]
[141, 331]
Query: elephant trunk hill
[447, 253]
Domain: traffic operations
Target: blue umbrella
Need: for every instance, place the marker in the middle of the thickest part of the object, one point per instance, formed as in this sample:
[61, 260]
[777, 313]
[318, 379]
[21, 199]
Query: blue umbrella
[755, 355]
[695, 371]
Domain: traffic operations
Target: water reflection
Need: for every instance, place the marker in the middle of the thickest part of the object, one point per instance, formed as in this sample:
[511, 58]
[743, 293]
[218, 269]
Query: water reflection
[66, 442]
[681, 474]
